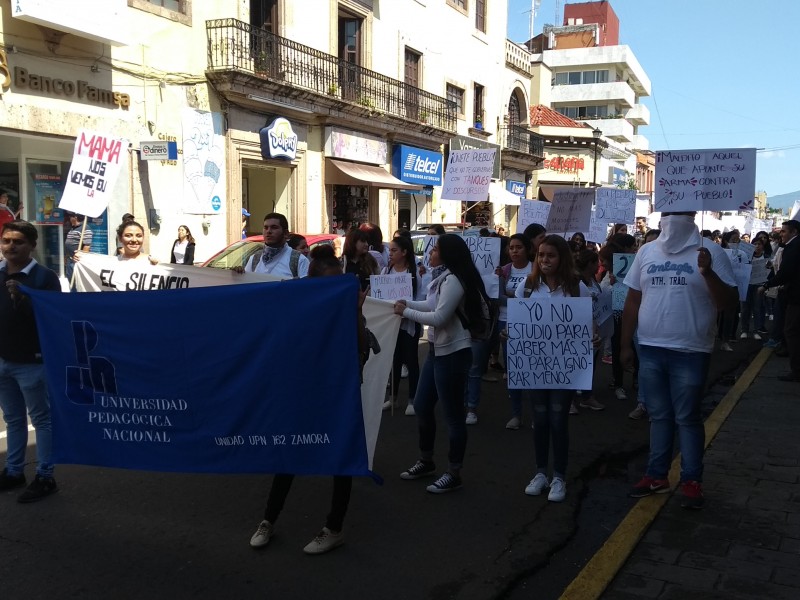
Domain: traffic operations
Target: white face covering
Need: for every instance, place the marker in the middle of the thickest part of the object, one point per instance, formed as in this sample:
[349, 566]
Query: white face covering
[678, 232]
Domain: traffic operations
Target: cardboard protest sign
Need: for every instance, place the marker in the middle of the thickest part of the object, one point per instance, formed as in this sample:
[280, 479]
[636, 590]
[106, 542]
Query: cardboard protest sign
[468, 175]
[695, 180]
[392, 286]
[571, 210]
[615, 205]
[550, 343]
[485, 253]
[532, 211]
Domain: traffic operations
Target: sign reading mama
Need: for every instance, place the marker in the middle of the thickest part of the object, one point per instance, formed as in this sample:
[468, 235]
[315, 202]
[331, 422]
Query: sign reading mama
[278, 140]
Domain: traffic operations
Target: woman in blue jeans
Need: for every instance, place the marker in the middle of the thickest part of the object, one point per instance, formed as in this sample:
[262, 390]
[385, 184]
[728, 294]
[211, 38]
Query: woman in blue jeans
[455, 291]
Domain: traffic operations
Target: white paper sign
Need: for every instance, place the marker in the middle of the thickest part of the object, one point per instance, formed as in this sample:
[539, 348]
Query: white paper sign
[532, 211]
[759, 271]
[468, 175]
[622, 264]
[485, 253]
[741, 271]
[93, 172]
[602, 306]
[642, 205]
[795, 212]
[550, 343]
[688, 180]
[615, 205]
[427, 245]
[571, 210]
[392, 286]
[598, 230]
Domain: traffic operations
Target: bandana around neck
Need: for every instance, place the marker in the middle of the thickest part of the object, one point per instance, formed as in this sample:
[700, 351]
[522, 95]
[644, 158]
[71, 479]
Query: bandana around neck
[270, 253]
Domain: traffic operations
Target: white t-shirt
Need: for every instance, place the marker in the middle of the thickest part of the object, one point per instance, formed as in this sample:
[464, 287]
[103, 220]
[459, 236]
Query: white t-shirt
[544, 292]
[179, 251]
[279, 265]
[677, 310]
[515, 277]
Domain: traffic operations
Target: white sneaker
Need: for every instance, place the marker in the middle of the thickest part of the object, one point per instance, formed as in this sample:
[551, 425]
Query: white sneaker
[621, 394]
[725, 347]
[514, 423]
[410, 412]
[325, 541]
[756, 336]
[262, 535]
[472, 418]
[558, 490]
[743, 336]
[404, 372]
[537, 485]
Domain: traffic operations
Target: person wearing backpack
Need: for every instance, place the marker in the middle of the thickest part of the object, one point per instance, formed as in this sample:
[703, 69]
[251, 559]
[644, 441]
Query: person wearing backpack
[456, 286]
[277, 258]
[22, 377]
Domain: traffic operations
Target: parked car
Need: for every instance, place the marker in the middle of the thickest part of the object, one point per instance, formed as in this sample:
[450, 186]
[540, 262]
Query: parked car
[238, 253]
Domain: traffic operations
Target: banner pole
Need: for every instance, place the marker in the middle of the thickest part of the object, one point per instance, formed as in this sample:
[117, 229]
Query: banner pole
[80, 248]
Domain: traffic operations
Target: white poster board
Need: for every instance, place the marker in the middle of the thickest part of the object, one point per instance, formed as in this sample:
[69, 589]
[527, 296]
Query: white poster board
[615, 205]
[550, 343]
[532, 211]
[468, 175]
[688, 180]
[741, 271]
[485, 253]
[622, 264]
[571, 210]
[392, 286]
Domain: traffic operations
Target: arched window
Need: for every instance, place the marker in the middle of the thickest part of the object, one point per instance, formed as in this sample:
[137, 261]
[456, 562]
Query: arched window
[514, 114]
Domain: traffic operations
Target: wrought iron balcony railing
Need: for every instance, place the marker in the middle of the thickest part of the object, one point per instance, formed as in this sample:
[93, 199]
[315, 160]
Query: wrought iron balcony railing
[234, 45]
[523, 140]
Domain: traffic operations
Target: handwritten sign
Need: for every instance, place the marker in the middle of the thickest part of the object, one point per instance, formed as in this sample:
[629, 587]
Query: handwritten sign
[392, 286]
[468, 175]
[485, 253]
[93, 172]
[427, 245]
[598, 230]
[571, 210]
[602, 306]
[550, 343]
[689, 180]
[615, 205]
[622, 264]
[741, 271]
[532, 211]
[759, 270]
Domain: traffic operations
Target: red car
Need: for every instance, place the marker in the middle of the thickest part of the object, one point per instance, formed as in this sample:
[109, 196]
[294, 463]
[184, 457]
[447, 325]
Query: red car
[238, 253]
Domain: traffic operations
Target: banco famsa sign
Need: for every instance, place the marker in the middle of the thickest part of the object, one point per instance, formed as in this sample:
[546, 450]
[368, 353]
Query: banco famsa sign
[66, 88]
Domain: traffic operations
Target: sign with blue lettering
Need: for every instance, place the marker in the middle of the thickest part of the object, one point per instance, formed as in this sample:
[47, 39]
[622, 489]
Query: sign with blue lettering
[278, 140]
[516, 187]
[416, 165]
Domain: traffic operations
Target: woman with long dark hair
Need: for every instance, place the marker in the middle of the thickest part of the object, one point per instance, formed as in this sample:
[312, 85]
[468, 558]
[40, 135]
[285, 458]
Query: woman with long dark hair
[183, 247]
[356, 258]
[456, 292]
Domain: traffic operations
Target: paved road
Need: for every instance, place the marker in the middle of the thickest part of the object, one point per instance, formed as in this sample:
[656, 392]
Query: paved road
[127, 534]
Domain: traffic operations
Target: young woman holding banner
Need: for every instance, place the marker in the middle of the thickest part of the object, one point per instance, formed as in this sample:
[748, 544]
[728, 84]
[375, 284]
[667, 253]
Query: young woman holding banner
[131, 237]
[553, 276]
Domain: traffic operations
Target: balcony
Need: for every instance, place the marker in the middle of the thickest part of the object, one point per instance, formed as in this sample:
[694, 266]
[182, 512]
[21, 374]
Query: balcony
[243, 58]
[638, 115]
[640, 142]
[518, 58]
[616, 92]
[521, 147]
[619, 130]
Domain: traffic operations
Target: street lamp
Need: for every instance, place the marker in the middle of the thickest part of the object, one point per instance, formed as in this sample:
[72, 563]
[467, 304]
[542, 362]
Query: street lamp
[596, 134]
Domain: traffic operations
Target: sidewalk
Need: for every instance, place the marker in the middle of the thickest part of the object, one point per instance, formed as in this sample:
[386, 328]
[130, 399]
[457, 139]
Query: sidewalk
[745, 544]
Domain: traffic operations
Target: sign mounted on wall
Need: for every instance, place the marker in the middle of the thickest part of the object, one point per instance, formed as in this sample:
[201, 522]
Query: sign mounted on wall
[158, 150]
[278, 140]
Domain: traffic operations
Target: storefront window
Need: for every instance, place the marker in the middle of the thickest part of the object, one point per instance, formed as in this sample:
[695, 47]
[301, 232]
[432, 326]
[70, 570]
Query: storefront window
[350, 207]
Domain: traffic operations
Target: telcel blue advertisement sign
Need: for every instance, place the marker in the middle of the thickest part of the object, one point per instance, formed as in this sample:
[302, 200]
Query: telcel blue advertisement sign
[515, 187]
[415, 165]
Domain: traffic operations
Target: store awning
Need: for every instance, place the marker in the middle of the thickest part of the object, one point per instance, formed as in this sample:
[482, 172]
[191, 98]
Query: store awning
[340, 172]
[498, 194]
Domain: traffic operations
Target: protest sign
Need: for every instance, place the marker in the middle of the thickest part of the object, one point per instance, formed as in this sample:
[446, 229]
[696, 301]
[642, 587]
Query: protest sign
[795, 212]
[622, 264]
[427, 244]
[392, 286]
[615, 205]
[532, 211]
[759, 271]
[468, 175]
[93, 172]
[642, 205]
[602, 307]
[550, 343]
[598, 230]
[571, 210]
[741, 271]
[694, 180]
[485, 253]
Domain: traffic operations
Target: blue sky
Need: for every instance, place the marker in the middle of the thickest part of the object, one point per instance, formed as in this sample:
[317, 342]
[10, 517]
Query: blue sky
[723, 75]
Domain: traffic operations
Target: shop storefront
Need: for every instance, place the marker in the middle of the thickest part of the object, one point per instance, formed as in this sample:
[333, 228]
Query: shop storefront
[415, 166]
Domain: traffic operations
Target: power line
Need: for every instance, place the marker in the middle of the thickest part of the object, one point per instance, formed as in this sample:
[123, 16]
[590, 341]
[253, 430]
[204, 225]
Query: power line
[660, 120]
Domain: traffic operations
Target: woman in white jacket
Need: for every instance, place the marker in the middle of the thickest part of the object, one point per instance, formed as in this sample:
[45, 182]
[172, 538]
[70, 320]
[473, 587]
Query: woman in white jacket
[456, 297]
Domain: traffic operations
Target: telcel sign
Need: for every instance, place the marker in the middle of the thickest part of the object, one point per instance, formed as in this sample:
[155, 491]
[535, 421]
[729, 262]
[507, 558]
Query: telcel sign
[160, 150]
[416, 165]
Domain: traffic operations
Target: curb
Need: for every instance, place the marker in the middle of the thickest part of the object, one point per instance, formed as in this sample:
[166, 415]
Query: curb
[601, 569]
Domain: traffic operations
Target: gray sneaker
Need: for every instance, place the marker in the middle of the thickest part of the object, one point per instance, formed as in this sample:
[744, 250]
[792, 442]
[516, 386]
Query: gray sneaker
[325, 541]
[638, 412]
[262, 535]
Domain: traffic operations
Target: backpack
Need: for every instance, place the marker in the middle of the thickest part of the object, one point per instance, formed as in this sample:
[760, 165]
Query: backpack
[294, 261]
[481, 329]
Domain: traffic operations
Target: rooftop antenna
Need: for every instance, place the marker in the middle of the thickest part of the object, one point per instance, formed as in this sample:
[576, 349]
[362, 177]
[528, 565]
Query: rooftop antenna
[535, 4]
[557, 22]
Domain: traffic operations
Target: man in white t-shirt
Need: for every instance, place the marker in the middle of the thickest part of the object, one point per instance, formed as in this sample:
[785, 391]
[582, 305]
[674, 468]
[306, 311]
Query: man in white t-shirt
[276, 258]
[677, 284]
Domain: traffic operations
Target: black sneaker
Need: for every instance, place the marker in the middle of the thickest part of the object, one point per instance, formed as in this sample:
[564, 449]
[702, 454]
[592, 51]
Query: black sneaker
[421, 468]
[40, 488]
[9, 482]
[446, 483]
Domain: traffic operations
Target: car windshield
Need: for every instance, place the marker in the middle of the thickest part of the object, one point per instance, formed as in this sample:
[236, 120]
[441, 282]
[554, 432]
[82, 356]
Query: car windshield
[235, 255]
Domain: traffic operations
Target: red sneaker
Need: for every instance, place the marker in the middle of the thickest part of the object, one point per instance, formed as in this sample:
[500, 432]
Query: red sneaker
[692, 494]
[649, 486]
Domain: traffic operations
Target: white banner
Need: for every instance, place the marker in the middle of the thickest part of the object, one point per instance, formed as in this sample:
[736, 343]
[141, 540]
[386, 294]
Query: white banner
[695, 180]
[93, 172]
[571, 210]
[532, 211]
[550, 343]
[468, 175]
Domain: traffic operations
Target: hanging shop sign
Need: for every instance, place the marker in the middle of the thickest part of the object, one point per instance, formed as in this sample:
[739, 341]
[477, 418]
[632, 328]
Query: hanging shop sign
[54, 87]
[352, 145]
[158, 150]
[417, 165]
[278, 140]
[516, 187]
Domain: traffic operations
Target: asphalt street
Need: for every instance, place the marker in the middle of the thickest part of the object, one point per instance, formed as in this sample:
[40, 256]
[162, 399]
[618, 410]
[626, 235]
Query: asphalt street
[131, 534]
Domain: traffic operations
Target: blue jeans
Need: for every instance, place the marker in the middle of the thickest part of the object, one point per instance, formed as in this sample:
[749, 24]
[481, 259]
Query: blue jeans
[753, 305]
[22, 388]
[673, 383]
[551, 421]
[442, 378]
[480, 359]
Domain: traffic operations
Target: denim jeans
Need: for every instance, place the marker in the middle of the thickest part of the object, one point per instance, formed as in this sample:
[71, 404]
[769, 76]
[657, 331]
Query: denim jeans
[753, 305]
[442, 378]
[673, 383]
[22, 389]
[551, 421]
[406, 352]
[480, 359]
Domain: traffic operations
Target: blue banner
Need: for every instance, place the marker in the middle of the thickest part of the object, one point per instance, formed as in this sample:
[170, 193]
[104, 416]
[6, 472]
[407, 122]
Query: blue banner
[416, 165]
[258, 378]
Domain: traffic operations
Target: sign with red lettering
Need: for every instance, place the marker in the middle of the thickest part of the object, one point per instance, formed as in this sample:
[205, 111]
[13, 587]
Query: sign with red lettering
[564, 164]
[93, 172]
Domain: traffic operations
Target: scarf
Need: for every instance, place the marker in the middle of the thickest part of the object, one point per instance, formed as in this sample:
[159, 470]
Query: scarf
[270, 253]
[678, 232]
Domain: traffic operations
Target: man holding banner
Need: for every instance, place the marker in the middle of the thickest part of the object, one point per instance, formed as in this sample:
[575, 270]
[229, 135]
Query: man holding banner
[677, 284]
[22, 378]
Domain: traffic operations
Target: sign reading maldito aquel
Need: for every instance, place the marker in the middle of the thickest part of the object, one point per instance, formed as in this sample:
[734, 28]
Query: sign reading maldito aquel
[92, 173]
